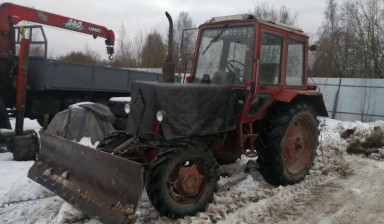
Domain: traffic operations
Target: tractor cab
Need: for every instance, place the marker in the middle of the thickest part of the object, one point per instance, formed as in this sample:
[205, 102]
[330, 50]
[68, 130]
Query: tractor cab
[234, 50]
[261, 61]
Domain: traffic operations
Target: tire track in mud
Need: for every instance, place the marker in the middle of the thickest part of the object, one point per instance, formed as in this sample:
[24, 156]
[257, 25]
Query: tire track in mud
[9, 203]
[356, 198]
[262, 202]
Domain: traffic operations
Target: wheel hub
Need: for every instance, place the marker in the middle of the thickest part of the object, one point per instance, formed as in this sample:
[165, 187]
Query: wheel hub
[189, 181]
[297, 146]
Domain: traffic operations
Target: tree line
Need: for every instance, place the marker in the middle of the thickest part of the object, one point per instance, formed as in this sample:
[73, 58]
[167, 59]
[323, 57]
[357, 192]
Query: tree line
[350, 41]
[144, 51]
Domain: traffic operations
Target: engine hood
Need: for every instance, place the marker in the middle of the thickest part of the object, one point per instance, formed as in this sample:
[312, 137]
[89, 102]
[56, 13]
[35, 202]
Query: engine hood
[190, 109]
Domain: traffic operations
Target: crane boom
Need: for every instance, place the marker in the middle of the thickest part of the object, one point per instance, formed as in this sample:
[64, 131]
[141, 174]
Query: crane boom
[11, 14]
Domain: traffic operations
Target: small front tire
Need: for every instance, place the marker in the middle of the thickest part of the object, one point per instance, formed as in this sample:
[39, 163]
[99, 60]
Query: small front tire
[182, 181]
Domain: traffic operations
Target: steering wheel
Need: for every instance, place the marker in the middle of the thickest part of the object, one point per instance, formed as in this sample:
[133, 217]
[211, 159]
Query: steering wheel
[231, 65]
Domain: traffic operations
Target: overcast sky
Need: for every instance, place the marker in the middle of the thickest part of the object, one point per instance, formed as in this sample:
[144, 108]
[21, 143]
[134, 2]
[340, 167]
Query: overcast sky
[144, 15]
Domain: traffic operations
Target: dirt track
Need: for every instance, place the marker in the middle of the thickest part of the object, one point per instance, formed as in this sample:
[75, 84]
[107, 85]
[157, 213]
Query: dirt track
[355, 196]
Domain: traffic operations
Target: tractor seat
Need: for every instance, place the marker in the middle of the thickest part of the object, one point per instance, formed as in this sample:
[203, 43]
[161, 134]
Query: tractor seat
[221, 77]
[269, 73]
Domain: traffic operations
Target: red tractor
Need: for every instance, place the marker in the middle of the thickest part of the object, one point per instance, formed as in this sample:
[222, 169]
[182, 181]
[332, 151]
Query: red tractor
[247, 93]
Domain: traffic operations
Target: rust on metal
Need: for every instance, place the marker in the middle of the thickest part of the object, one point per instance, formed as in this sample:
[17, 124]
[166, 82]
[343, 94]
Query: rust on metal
[105, 186]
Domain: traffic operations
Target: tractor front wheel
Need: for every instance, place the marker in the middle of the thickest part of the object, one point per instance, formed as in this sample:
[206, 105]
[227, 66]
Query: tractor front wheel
[182, 181]
[287, 143]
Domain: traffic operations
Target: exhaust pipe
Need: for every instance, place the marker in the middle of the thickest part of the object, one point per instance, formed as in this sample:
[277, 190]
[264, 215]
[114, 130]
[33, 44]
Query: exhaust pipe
[169, 64]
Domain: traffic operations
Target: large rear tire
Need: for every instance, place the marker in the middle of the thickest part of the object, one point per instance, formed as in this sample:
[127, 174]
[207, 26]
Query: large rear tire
[287, 143]
[182, 181]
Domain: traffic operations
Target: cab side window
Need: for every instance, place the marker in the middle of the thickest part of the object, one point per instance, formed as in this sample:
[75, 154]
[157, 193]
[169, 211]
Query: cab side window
[270, 59]
[295, 63]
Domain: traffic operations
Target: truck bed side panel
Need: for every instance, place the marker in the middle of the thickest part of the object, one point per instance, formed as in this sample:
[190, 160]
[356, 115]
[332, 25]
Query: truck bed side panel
[46, 74]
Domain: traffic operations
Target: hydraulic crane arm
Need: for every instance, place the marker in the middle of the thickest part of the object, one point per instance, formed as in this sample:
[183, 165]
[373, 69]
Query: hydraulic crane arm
[11, 14]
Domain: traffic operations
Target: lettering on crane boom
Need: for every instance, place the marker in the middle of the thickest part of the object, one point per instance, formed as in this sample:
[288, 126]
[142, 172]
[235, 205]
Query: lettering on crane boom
[73, 24]
[94, 29]
[43, 17]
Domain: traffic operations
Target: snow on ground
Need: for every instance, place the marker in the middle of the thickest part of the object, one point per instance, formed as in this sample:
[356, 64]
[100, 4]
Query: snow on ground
[340, 188]
[120, 99]
[28, 124]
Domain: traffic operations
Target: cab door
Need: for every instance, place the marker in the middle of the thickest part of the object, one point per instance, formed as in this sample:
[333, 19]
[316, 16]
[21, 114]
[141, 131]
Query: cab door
[270, 70]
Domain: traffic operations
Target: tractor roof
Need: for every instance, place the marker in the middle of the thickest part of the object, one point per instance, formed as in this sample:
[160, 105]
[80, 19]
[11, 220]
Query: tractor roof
[245, 17]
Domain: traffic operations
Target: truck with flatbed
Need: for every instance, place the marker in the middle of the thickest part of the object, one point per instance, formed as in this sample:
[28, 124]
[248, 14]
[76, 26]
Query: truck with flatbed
[37, 87]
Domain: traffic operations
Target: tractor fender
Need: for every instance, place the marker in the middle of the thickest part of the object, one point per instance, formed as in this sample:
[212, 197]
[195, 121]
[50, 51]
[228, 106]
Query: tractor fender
[314, 99]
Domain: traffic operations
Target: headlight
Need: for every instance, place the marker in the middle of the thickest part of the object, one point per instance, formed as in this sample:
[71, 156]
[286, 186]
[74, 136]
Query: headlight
[160, 116]
[127, 108]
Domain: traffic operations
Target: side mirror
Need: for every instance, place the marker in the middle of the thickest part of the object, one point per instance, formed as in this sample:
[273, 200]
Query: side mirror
[188, 38]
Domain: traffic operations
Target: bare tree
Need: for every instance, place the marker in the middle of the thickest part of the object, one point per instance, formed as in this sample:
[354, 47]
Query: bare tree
[154, 51]
[351, 40]
[87, 57]
[182, 53]
[270, 13]
[125, 50]
[37, 50]
[327, 62]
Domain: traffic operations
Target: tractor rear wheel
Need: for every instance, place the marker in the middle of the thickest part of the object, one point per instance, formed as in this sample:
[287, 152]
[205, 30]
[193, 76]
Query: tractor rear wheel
[287, 143]
[182, 181]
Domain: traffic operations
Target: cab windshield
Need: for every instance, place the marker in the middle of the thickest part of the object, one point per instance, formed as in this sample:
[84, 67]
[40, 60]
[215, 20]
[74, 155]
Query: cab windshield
[225, 55]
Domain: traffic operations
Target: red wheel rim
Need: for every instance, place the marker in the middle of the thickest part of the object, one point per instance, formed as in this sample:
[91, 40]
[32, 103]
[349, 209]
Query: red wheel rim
[298, 145]
[186, 181]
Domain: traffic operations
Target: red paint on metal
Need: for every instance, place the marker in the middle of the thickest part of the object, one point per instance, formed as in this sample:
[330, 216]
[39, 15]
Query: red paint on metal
[18, 13]
[11, 14]
[189, 181]
[312, 87]
[22, 76]
[297, 146]
[158, 129]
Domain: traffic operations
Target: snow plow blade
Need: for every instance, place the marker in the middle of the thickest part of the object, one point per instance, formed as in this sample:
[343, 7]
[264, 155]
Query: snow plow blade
[104, 186]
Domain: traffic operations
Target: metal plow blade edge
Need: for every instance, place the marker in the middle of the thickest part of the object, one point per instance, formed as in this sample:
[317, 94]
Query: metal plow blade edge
[105, 186]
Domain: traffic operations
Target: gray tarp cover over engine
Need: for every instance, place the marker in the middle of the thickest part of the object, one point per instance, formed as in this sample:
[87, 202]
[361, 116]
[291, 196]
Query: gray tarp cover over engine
[190, 109]
[83, 120]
